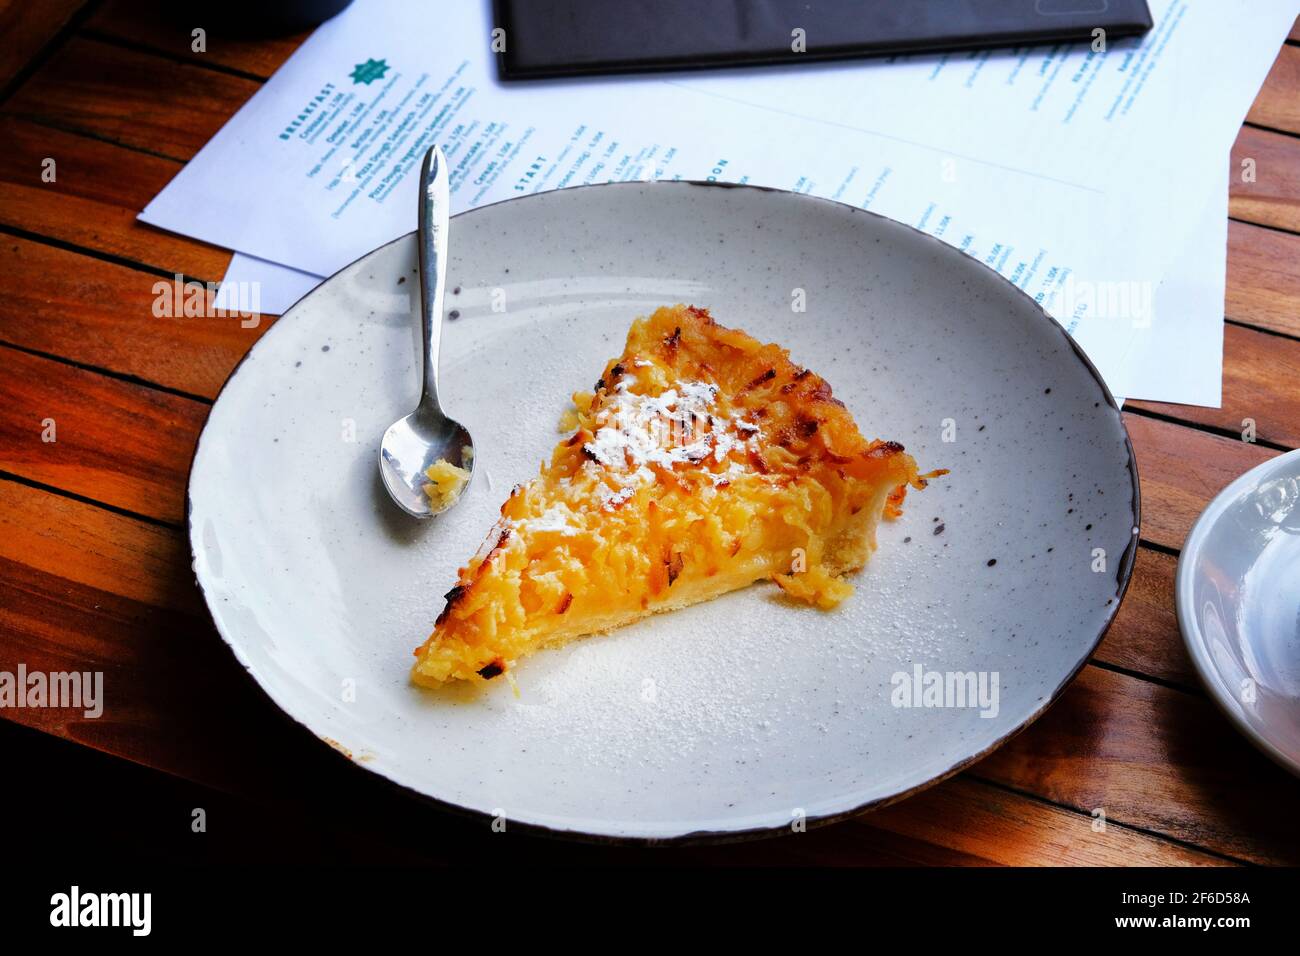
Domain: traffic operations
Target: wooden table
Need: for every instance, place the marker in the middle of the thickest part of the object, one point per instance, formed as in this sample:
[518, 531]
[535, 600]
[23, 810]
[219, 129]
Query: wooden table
[95, 569]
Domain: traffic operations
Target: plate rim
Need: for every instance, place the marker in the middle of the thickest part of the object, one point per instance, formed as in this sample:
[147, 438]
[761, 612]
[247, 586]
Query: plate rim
[693, 837]
[1189, 628]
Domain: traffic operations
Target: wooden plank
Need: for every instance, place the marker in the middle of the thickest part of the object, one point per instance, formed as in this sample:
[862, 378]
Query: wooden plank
[136, 99]
[97, 191]
[85, 589]
[27, 28]
[1145, 638]
[90, 549]
[1003, 828]
[1278, 103]
[1261, 385]
[1181, 470]
[1264, 278]
[168, 28]
[1264, 179]
[1159, 759]
[117, 442]
[101, 314]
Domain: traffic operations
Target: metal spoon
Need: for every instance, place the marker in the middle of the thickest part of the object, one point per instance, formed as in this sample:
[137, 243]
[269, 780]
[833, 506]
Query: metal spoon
[427, 435]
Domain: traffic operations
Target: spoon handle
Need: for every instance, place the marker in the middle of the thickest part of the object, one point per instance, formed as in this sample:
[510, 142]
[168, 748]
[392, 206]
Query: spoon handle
[435, 213]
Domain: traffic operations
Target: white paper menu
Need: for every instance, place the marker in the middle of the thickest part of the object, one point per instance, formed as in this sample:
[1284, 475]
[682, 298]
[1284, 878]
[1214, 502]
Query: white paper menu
[1065, 168]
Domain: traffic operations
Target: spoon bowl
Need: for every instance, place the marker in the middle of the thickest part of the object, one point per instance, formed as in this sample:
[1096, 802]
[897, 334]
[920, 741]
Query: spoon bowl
[410, 446]
[427, 436]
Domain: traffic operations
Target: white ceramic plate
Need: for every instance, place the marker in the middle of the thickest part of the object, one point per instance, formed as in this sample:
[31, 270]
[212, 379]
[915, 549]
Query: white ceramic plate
[739, 716]
[1238, 597]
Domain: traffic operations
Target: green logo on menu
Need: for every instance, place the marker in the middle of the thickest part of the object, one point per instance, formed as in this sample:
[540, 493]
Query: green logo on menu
[369, 71]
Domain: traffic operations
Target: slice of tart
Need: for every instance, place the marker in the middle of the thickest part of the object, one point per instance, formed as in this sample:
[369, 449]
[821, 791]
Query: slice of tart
[703, 461]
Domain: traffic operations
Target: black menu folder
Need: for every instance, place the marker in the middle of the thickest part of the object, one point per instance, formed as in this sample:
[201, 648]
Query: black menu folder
[546, 38]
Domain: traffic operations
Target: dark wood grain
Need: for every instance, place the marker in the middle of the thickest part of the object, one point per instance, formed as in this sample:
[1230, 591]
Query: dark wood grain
[118, 442]
[26, 28]
[169, 29]
[137, 99]
[1264, 278]
[102, 314]
[1159, 759]
[98, 190]
[1278, 103]
[1003, 828]
[1144, 638]
[1264, 179]
[1182, 470]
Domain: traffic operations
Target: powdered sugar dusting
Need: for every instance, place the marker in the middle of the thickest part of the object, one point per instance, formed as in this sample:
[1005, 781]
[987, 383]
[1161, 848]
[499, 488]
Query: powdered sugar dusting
[555, 519]
[676, 427]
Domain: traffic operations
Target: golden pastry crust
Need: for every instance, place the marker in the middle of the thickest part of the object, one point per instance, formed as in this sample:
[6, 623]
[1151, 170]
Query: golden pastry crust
[702, 461]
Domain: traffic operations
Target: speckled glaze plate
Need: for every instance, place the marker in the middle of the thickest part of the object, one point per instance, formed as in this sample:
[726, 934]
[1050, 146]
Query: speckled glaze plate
[743, 716]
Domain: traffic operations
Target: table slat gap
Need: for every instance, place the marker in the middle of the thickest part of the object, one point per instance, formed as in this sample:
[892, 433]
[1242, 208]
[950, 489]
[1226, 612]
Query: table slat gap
[98, 36]
[108, 373]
